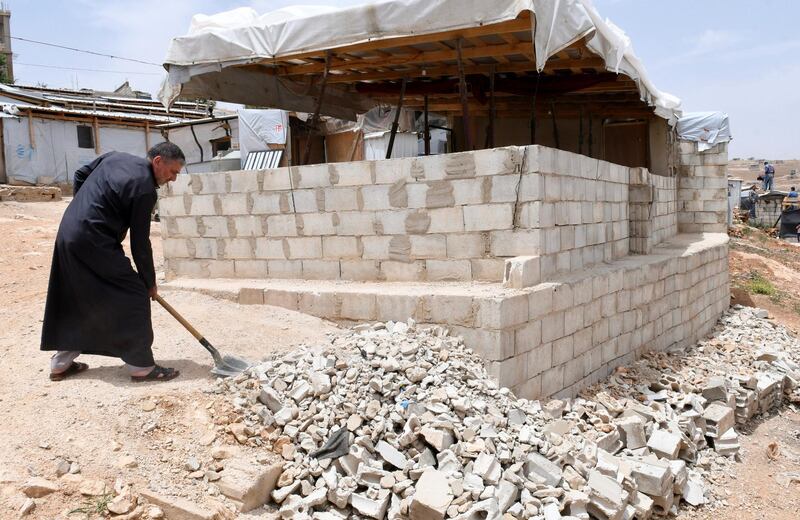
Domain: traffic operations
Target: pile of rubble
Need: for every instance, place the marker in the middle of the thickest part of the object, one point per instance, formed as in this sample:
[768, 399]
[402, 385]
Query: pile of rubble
[398, 421]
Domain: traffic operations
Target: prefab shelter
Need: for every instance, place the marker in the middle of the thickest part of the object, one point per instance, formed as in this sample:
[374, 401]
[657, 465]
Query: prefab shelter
[503, 71]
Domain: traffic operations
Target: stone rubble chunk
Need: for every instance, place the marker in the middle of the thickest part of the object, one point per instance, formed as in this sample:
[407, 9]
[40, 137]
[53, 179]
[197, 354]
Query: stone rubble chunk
[432, 496]
[665, 444]
[37, 487]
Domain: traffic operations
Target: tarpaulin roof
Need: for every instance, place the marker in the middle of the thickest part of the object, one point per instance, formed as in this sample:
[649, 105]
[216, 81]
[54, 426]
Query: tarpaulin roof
[212, 58]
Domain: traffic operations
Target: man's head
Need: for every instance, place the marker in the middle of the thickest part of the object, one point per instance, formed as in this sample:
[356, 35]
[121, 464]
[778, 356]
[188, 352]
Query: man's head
[167, 160]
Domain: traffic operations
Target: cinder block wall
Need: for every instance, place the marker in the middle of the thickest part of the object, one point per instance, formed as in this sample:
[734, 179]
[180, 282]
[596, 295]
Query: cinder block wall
[703, 189]
[438, 218]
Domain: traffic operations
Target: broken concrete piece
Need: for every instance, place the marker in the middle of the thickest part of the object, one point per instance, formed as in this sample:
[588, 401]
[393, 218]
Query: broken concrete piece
[248, 485]
[37, 487]
[538, 466]
[391, 455]
[371, 507]
[665, 444]
[431, 497]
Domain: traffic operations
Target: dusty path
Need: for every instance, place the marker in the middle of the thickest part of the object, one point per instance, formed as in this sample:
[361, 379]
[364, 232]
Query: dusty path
[99, 417]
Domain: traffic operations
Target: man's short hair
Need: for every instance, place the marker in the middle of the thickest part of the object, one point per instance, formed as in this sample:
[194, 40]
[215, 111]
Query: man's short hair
[168, 151]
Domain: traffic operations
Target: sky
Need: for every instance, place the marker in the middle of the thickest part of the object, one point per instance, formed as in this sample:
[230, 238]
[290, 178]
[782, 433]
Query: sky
[736, 56]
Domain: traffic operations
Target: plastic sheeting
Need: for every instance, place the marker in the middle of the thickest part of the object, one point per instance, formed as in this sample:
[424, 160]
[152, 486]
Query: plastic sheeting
[199, 63]
[705, 128]
[56, 154]
[259, 128]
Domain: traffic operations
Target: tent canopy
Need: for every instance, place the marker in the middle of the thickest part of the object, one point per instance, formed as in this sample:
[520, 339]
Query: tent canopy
[559, 50]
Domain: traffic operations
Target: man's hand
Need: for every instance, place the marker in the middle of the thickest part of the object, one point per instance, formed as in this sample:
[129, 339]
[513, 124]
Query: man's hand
[153, 292]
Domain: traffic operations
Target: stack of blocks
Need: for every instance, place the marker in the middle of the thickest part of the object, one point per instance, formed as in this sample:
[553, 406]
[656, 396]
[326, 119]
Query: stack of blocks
[556, 228]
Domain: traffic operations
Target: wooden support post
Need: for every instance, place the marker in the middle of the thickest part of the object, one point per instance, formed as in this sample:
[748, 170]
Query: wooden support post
[31, 133]
[590, 134]
[315, 117]
[96, 136]
[427, 136]
[580, 130]
[533, 109]
[555, 125]
[147, 136]
[396, 122]
[492, 110]
[462, 89]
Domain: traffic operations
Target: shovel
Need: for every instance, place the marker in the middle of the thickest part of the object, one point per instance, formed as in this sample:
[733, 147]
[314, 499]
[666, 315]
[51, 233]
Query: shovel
[224, 366]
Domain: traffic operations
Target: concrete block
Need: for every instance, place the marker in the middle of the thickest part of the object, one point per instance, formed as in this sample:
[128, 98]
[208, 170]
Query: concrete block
[180, 508]
[360, 270]
[340, 247]
[266, 203]
[563, 352]
[181, 185]
[514, 243]
[248, 485]
[376, 247]
[428, 246]
[449, 309]
[251, 296]
[402, 271]
[216, 227]
[269, 248]
[304, 247]
[210, 183]
[504, 188]
[351, 173]
[522, 271]
[665, 444]
[187, 227]
[305, 201]
[552, 380]
[355, 223]
[417, 222]
[243, 181]
[221, 269]
[250, 268]
[202, 205]
[247, 226]
[528, 337]
[416, 194]
[448, 270]
[234, 203]
[464, 245]
[204, 247]
[486, 217]
[468, 191]
[487, 269]
[491, 345]
[238, 248]
[540, 469]
[508, 372]
[376, 198]
[311, 176]
[446, 220]
[319, 304]
[176, 248]
[282, 226]
[440, 194]
[553, 327]
[396, 307]
[357, 306]
[539, 360]
[317, 224]
[341, 199]
[285, 268]
[321, 269]
[502, 312]
[171, 207]
[277, 180]
[281, 298]
[432, 496]
[391, 222]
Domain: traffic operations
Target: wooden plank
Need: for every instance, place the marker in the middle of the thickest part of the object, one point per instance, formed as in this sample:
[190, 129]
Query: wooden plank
[520, 24]
[147, 136]
[31, 133]
[96, 136]
[462, 87]
[315, 118]
[488, 51]
[396, 122]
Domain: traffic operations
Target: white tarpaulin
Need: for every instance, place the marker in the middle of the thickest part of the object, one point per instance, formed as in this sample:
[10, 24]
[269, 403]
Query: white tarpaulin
[260, 128]
[200, 63]
[705, 128]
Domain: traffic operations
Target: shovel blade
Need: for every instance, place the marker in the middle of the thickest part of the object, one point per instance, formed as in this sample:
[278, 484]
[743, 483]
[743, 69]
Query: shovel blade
[230, 366]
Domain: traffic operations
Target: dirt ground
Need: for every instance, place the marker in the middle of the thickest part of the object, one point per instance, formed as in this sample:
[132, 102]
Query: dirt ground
[100, 419]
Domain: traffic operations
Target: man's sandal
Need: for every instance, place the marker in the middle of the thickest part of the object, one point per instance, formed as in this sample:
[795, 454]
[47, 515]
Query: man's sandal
[74, 368]
[158, 373]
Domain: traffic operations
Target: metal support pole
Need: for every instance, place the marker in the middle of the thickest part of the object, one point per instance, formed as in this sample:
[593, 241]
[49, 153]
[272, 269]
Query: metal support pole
[533, 109]
[462, 89]
[396, 122]
[427, 136]
[315, 118]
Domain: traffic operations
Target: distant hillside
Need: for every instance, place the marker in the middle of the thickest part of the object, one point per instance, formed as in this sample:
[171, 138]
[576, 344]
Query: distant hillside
[748, 170]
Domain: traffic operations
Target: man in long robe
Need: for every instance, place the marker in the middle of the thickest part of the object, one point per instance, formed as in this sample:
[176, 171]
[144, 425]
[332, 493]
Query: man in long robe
[96, 303]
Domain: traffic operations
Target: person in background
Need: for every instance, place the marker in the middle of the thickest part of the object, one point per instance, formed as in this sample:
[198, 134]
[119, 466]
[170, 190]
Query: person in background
[793, 193]
[769, 177]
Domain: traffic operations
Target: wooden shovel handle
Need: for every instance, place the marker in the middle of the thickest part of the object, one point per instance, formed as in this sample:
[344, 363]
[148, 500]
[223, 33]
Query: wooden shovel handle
[178, 317]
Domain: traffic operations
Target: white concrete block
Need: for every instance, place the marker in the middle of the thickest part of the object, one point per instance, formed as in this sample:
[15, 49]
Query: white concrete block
[277, 180]
[340, 247]
[266, 204]
[250, 269]
[402, 271]
[428, 246]
[204, 247]
[375, 247]
[181, 185]
[487, 269]
[359, 270]
[514, 243]
[187, 227]
[357, 306]
[465, 245]
[522, 271]
[341, 199]
[238, 248]
[311, 176]
[468, 191]
[304, 247]
[391, 222]
[270, 249]
[243, 181]
[396, 307]
[321, 269]
[202, 205]
[171, 207]
[356, 223]
[221, 269]
[351, 173]
[316, 224]
[215, 227]
[486, 217]
[234, 203]
[504, 188]
[305, 201]
[247, 226]
[448, 270]
[376, 197]
[502, 312]
[176, 248]
[285, 268]
[282, 226]
[446, 220]
[210, 182]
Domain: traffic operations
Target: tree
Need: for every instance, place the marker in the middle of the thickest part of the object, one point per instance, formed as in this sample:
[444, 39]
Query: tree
[4, 76]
